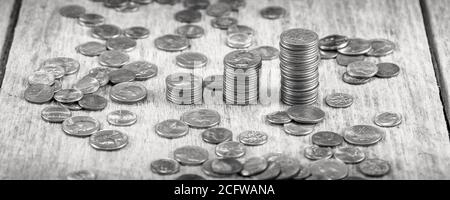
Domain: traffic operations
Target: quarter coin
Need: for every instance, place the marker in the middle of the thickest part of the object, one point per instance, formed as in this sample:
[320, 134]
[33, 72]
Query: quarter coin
[41, 77]
[188, 16]
[68, 95]
[82, 175]
[171, 129]
[87, 85]
[333, 42]
[346, 60]
[191, 60]
[121, 118]
[190, 31]
[272, 171]
[253, 166]
[218, 9]
[106, 31]
[381, 47]
[143, 69]
[108, 140]
[55, 70]
[329, 169]
[355, 47]
[165, 167]
[70, 65]
[114, 59]
[93, 102]
[339, 100]
[91, 20]
[191, 155]
[295, 129]
[217, 135]
[39, 94]
[137, 32]
[388, 119]
[362, 69]
[128, 92]
[201, 118]
[327, 139]
[306, 114]
[374, 167]
[273, 12]
[349, 155]
[121, 76]
[80, 126]
[121, 44]
[253, 138]
[318, 153]
[226, 166]
[55, 114]
[72, 11]
[172, 43]
[363, 135]
[278, 117]
[387, 70]
[91, 48]
[230, 149]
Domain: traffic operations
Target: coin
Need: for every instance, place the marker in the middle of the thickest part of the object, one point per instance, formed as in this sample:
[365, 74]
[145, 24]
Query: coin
[55, 114]
[172, 43]
[349, 155]
[137, 32]
[223, 22]
[169, 2]
[57, 86]
[184, 89]
[128, 7]
[70, 65]
[306, 114]
[388, 119]
[346, 60]
[128, 92]
[328, 54]
[191, 155]
[114, 59]
[143, 69]
[235, 4]
[101, 74]
[142, 2]
[93, 102]
[240, 29]
[191, 60]
[289, 167]
[165, 166]
[57, 71]
[218, 9]
[213, 82]
[190, 177]
[355, 81]
[41, 78]
[329, 169]
[196, 4]
[227, 166]
[108, 140]
[190, 31]
[381, 47]
[266, 52]
[201, 118]
[387, 70]
[106, 31]
[239, 40]
[87, 85]
[318, 153]
[71, 106]
[91, 48]
[363, 135]
[82, 175]
[303, 174]
[272, 171]
[80, 126]
[217, 135]
[121, 44]
[339, 100]
[374, 167]
[273, 12]
[362, 69]
[333, 42]
[253, 166]
[253, 138]
[72, 11]
[121, 76]
[356, 46]
[188, 16]
[230, 149]
[207, 169]
[278, 117]
[115, 3]
[68, 95]
[354, 178]
[298, 129]
[91, 20]
[171, 129]
[327, 139]
[121, 118]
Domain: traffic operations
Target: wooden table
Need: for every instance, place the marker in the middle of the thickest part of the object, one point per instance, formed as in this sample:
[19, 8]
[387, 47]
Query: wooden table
[418, 149]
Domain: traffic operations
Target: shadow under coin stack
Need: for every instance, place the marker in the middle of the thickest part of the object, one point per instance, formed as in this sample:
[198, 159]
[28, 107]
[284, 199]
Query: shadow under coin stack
[241, 78]
[299, 62]
[184, 89]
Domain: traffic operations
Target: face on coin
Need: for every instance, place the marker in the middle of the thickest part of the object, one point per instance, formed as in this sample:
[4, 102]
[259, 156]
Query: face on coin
[327, 139]
[121, 44]
[387, 70]
[230, 149]
[106, 31]
[318, 153]
[253, 166]
[80, 126]
[329, 169]
[374, 167]
[128, 92]
[171, 129]
[306, 114]
[201, 118]
[72, 11]
[349, 155]
[362, 69]
[68, 95]
[295, 129]
[273, 12]
[41, 77]
[121, 118]
[388, 119]
[38, 94]
[227, 166]
[91, 48]
[165, 166]
[253, 138]
[278, 117]
[87, 85]
[93, 102]
[346, 60]
[339, 100]
[191, 155]
[114, 59]
[355, 47]
[108, 140]
[241, 59]
[137, 32]
[266, 52]
[299, 37]
[121, 76]
[55, 114]
[363, 135]
[190, 31]
[70, 65]
[191, 60]
[217, 135]
[381, 47]
[333, 42]
[82, 175]
[172, 43]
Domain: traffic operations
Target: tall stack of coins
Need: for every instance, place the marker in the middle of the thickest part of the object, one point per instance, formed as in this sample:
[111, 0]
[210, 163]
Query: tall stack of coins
[241, 77]
[184, 89]
[299, 62]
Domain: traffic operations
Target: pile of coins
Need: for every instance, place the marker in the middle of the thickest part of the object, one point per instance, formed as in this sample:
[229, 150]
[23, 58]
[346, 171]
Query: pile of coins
[124, 6]
[184, 89]
[299, 62]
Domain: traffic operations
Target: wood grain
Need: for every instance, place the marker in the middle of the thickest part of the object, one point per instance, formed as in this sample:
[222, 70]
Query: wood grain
[6, 10]
[418, 149]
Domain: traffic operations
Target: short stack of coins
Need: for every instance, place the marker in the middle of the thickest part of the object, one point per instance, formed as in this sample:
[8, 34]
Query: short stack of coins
[241, 77]
[299, 62]
[184, 89]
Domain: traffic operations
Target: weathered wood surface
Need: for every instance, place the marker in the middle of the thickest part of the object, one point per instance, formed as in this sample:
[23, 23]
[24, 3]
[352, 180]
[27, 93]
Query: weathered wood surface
[418, 149]
[5, 9]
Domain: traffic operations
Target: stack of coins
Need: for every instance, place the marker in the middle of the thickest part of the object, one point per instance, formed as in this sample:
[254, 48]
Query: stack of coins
[299, 61]
[184, 89]
[241, 77]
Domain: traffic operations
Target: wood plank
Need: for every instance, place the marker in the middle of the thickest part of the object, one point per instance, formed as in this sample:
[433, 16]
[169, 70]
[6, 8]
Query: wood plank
[6, 10]
[418, 149]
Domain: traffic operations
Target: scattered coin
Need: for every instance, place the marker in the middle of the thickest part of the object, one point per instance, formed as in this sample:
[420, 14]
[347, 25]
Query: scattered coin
[167, 2]
[41, 78]
[355, 81]
[55, 114]
[108, 140]
[128, 92]
[381, 47]
[106, 31]
[374, 167]
[278, 117]
[388, 119]
[303, 174]
[141, 2]
[87, 85]
[143, 69]
[230, 149]
[114, 59]
[191, 155]
[329, 169]
[93, 102]
[70, 65]
[207, 169]
[318, 153]
[57, 71]
[345, 60]
[68, 95]
[190, 31]
[91, 20]
[80, 126]
[298, 129]
[115, 3]
[201, 118]
[172, 128]
[57, 86]
[82, 175]
[363, 135]
[196, 4]
[273, 12]
[387, 70]
[289, 167]
[101, 74]
[356, 46]
[218, 9]
[267, 52]
[91, 48]
[165, 167]
[71, 106]
[121, 44]
[239, 40]
[223, 22]
[188, 16]
[235, 4]
[327, 139]
[362, 69]
[333, 42]
[72, 11]
[190, 177]
[121, 118]
[339, 100]
[241, 29]
[253, 138]
[328, 54]
[227, 166]
[121, 76]
[253, 166]
[128, 7]
[137, 32]
[272, 171]
[191, 60]
[172, 43]
[306, 114]
[217, 135]
[349, 155]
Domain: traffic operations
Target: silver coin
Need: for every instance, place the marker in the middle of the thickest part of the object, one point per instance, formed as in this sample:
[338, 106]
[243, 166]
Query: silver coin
[114, 59]
[349, 155]
[108, 140]
[253, 138]
[289, 167]
[188, 16]
[91, 48]
[121, 76]
[191, 60]
[304, 173]
[41, 77]
[101, 74]
[106, 31]
[362, 69]
[137, 32]
[172, 128]
[299, 37]
[57, 71]
[217, 135]
[226, 166]
[318, 153]
[355, 81]
[201, 118]
[121, 44]
[381, 47]
[239, 40]
[190, 31]
[121, 118]
[72, 11]
[71, 106]
[273, 12]
[128, 92]
[57, 86]
[272, 171]
[167, 2]
[184, 89]
[253, 166]
[356, 46]
[213, 82]
[223, 22]
[87, 85]
[80, 126]
[172, 43]
[142, 2]
[387, 70]
[191, 155]
[218, 9]
[241, 29]
[55, 114]
[388, 119]
[196, 4]
[327, 139]
[346, 60]
[374, 167]
[93, 102]
[363, 135]
[328, 54]
[82, 175]
[339, 100]
[115, 3]
[306, 114]
[128, 7]
[143, 69]
[190, 177]
[165, 166]
[230, 149]
[278, 117]
[207, 169]
[329, 169]
[70, 65]
[91, 20]
[235, 4]
[266, 52]
[298, 129]
[333, 42]
[68, 95]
